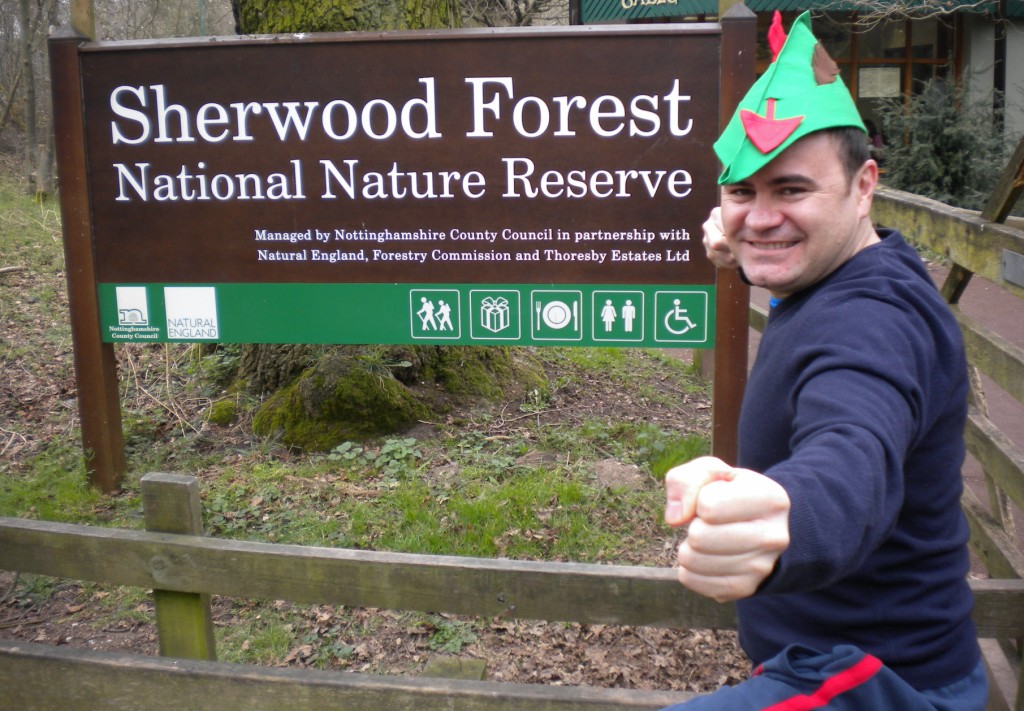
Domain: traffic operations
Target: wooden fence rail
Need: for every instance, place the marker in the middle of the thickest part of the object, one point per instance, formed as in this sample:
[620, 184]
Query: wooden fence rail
[193, 564]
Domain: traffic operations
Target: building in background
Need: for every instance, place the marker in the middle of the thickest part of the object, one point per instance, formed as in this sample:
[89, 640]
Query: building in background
[977, 42]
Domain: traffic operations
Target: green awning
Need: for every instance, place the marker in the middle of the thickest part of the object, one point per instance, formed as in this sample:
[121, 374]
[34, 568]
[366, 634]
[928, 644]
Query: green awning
[592, 11]
[1015, 8]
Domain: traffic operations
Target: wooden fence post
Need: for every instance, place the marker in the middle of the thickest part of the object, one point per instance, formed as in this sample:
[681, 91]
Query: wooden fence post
[184, 621]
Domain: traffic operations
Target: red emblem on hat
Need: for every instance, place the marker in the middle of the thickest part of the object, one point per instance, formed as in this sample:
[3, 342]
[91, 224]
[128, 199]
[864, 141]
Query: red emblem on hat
[767, 132]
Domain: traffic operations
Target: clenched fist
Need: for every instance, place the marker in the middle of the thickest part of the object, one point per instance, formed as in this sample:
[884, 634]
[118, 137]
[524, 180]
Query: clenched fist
[738, 526]
[715, 244]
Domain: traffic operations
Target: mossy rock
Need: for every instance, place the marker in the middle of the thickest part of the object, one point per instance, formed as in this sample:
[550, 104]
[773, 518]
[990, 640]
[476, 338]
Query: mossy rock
[223, 412]
[470, 371]
[338, 399]
[361, 393]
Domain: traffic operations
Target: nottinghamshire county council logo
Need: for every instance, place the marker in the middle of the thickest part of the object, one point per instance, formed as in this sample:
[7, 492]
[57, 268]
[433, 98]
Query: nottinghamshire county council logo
[132, 306]
[191, 313]
[133, 321]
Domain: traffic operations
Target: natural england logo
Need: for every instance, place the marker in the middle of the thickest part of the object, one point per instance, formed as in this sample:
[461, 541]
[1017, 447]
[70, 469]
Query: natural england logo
[191, 313]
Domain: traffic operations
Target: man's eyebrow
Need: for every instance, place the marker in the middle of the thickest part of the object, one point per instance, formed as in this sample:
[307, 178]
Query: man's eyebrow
[790, 179]
[794, 178]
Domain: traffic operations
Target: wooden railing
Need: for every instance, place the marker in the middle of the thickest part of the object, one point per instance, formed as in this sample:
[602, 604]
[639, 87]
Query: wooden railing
[982, 245]
[185, 569]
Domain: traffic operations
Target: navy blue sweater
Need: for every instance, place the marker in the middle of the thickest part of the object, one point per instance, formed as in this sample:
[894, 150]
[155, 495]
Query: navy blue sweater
[856, 406]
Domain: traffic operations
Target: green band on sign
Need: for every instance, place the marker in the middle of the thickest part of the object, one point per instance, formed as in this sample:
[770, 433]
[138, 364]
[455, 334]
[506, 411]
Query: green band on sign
[428, 314]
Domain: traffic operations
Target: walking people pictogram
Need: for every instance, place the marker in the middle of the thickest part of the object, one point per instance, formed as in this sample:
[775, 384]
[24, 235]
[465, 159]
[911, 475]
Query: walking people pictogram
[426, 314]
[444, 311]
[435, 314]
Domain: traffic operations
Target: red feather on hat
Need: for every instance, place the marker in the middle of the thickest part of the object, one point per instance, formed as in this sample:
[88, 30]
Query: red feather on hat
[776, 35]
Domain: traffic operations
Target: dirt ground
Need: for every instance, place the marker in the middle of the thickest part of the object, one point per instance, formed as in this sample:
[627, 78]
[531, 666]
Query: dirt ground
[37, 404]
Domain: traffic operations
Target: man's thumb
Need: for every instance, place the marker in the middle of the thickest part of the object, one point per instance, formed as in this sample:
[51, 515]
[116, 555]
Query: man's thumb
[684, 483]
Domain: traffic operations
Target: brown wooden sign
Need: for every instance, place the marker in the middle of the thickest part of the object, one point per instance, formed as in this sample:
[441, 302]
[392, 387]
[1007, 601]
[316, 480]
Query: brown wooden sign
[428, 158]
[507, 187]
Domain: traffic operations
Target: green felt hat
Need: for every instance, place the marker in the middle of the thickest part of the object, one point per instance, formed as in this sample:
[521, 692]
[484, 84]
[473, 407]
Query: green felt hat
[800, 93]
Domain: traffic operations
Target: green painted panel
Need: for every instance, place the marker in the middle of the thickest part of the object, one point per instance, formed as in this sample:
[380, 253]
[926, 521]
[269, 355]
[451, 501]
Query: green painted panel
[615, 316]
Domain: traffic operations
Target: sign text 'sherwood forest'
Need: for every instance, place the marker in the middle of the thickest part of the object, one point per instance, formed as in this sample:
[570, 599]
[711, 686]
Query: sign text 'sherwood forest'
[467, 187]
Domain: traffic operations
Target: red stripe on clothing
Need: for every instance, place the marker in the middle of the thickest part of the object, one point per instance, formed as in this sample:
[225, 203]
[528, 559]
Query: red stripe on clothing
[832, 687]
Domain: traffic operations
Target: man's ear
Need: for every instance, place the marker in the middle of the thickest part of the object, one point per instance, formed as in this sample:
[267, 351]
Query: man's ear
[864, 183]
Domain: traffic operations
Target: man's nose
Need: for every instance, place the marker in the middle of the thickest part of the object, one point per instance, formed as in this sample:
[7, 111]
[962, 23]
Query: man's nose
[764, 214]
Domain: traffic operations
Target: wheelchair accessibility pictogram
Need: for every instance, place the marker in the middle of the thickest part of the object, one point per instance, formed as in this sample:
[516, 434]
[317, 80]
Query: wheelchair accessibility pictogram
[677, 321]
[681, 317]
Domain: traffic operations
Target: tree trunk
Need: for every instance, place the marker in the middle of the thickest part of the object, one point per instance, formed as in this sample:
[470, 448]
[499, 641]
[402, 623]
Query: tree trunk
[27, 70]
[266, 367]
[277, 16]
[298, 374]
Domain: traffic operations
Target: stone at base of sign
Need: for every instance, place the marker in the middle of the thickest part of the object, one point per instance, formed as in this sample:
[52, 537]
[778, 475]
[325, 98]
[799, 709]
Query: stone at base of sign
[455, 668]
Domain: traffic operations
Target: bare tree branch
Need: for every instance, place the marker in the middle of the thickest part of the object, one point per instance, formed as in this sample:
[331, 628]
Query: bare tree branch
[870, 13]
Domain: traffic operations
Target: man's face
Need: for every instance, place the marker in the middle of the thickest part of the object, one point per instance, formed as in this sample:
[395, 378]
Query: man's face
[798, 218]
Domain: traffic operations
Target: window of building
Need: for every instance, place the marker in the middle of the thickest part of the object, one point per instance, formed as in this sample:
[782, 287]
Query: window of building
[880, 59]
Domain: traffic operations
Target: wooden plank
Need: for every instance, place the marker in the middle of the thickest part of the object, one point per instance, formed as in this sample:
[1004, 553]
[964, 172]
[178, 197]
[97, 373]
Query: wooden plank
[956, 283]
[1002, 676]
[758, 317]
[998, 607]
[1008, 188]
[963, 236]
[99, 403]
[184, 620]
[39, 677]
[993, 355]
[999, 553]
[999, 457]
[586, 593]
[732, 296]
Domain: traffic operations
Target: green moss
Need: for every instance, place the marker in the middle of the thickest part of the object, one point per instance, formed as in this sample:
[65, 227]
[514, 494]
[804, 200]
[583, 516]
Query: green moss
[334, 401]
[487, 372]
[354, 396]
[473, 371]
[223, 412]
[284, 16]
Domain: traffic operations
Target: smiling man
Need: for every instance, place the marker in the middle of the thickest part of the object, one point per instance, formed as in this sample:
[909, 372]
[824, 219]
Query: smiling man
[838, 531]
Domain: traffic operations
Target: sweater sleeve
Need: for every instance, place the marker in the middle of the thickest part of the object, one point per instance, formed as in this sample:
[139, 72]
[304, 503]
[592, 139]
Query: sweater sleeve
[856, 404]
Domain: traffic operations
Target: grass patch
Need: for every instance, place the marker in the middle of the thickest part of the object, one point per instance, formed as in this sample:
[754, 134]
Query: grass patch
[489, 509]
[258, 634]
[56, 489]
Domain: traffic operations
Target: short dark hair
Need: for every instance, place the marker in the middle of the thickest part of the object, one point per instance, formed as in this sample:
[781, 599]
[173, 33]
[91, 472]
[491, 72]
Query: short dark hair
[853, 147]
